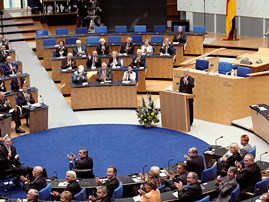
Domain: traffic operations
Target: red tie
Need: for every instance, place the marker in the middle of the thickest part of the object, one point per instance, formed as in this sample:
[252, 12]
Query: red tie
[19, 82]
[10, 66]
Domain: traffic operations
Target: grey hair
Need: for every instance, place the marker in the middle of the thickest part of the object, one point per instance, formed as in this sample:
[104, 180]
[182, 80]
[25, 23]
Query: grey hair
[104, 188]
[72, 173]
[70, 54]
[35, 193]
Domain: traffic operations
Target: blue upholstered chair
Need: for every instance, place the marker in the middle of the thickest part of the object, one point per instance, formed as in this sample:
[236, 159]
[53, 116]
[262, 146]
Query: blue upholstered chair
[120, 29]
[253, 151]
[205, 199]
[156, 39]
[93, 39]
[72, 78]
[81, 30]
[199, 29]
[71, 40]
[176, 28]
[140, 28]
[117, 193]
[114, 39]
[260, 188]
[243, 71]
[81, 196]
[134, 70]
[174, 51]
[102, 29]
[44, 194]
[121, 63]
[159, 28]
[209, 174]
[267, 182]
[61, 31]
[161, 188]
[54, 53]
[111, 77]
[49, 42]
[43, 32]
[235, 194]
[201, 65]
[225, 68]
[136, 39]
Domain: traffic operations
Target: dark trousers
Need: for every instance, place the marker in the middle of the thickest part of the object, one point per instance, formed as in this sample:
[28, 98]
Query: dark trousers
[169, 185]
[19, 170]
[16, 117]
[81, 18]
[191, 110]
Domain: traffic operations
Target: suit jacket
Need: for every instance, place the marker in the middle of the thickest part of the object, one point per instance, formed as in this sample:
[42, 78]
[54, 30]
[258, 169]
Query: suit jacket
[97, 64]
[15, 83]
[7, 163]
[123, 47]
[248, 178]
[106, 199]
[23, 101]
[225, 190]
[153, 195]
[182, 177]
[141, 62]
[169, 51]
[83, 48]
[110, 61]
[4, 87]
[64, 64]
[190, 194]
[244, 150]
[38, 184]
[99, 49]
[73, 187]
[85, 163]
[108, 75]
[111, 186]
[3, 42]
[3, 57]
[6, 69]
[196, 164]
[186, 88]
[224, 165]
[4, 108]
[76, 78]
[182, 39]
[132, 76]
[58, 52]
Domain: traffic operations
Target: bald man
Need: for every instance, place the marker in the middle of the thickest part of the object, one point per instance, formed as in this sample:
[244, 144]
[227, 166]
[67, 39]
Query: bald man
[167, 47]
[9, 67]
[180, 36]
[128, 46]
[138, 59]
[94, 61]
[195, 162]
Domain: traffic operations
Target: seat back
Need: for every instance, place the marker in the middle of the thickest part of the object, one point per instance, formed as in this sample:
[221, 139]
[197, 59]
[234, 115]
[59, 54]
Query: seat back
[140, 28]
[16, 99]
[120, 29]
[114, 39]
[43, 32]
[111, 77]
[242, 163]
[174, 51]
[224, 67]
[201, 64]
[93, 39]
[49, 42]
[102, 29]
[243, 71]
[156, 39]
[199, 29]
[117, 193]
[153, 51]
[267, 182]
[260, 188]
[71, 40]
[235, 194]
[61, 31]
[134, 70]
[159, 28]
[205, 199]
[121, 63]
[31, 4]
[83, 173]
[209, 174]
[81, 30]
[44, 194]
[81, 196]
[72, 78]
[176, 28]
[253, 151]
[161, 188]
[136, 39]
[54, 53]
[10, 83]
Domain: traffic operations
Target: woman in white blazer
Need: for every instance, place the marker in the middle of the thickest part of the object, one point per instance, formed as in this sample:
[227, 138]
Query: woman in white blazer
[129, 75]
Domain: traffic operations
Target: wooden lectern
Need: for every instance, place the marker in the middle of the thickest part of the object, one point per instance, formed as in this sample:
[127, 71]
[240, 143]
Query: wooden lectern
[175, 111]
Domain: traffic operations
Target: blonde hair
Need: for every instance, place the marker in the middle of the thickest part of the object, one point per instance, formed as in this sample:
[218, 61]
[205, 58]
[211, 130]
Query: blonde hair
[117, 54]
[235, 146]
[155, 170]
[102, 39]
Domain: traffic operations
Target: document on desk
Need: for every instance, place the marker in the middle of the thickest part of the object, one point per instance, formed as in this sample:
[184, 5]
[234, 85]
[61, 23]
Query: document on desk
[62, 184]
[137, 198]
[175, 194]
[137, 179]
[262, 108]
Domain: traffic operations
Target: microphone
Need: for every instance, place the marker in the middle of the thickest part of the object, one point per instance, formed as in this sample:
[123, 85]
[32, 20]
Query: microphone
[144, 168]
[42, 104]
[168, 163]
[261, 155]
[218, 139]
[17, 57]
[56, 177]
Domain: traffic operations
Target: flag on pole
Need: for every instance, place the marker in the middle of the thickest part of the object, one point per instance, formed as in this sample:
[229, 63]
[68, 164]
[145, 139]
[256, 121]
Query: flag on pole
[230, 19]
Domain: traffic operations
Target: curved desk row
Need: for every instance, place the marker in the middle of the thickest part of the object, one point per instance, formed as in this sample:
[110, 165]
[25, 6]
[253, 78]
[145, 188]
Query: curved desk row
[8, 79]
[18, 63]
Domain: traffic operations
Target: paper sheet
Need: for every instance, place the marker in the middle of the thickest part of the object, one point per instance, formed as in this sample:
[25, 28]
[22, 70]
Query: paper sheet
[137, 198]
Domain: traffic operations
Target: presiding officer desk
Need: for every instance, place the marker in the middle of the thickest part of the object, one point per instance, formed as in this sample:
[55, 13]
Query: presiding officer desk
[114, 94]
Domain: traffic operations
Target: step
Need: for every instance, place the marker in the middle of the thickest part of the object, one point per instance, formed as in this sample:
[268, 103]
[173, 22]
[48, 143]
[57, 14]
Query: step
[22, 22]
[23, 29]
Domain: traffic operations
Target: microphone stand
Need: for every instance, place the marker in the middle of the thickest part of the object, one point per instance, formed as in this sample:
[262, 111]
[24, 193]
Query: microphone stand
[261, 156]
[168, 164]
[144, 168]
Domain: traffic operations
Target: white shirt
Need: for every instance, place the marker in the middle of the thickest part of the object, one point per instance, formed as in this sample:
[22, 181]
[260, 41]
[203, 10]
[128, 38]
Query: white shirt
[131, 78]
[148, 51]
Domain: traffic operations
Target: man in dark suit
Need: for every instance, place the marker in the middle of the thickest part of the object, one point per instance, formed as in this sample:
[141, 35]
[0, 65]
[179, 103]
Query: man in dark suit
[5, 107]
[180, 36]
[10, 160]
[32, 196]
[167, 47]
[111, 183]
[182, 176]
[249, 176]
[195, 163]
[138, 59]
[80, 50]
[85, 162]
[191, 193]
[3, 53]
[9, 68]
[69, 62]
[2, 86]
[127, 47]
[18, 82]
[186, 85]
[94, 61]
[104, 74]
[73, 185]
[80, 75]
[25, 98]
[101, 194]
[38, 183]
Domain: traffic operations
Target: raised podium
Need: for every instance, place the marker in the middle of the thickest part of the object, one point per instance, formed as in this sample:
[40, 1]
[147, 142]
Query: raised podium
[175, 111]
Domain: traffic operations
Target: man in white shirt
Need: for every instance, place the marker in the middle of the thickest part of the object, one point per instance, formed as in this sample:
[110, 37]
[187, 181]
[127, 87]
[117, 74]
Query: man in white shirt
[94, 61]
[79, 50]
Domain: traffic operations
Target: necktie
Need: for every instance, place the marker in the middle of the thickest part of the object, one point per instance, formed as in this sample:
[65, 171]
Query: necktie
[19, 82]
[10, 66]
[137, 63]
[8, 150]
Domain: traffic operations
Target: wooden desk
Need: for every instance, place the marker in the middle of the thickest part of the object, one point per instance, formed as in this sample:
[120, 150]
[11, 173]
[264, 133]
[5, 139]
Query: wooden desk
[18, 63]
[96, 95]
[5, 124]
[8, 79]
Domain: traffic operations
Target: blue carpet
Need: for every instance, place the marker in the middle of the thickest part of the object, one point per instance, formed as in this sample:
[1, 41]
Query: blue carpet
[128, 147]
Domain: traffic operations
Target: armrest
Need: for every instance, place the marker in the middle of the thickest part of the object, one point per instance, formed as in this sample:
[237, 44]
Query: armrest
[249, 193]
[174, 59]
[228, 72]
[19, 108]
[82, 170]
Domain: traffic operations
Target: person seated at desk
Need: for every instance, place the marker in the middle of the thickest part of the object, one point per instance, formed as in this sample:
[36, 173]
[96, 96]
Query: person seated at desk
[69, 62]
[127, 47]
[112, 183]
[101, 194]
[226, 187]
[102, 48]
[18, 82]
[154, 173]
[2, 86]
[195, 162]
[104, 74]
[114, 60]
[139, 59]
[129, 75]
[32, 196]
[249, 176]
[73, 186]
[9, 67]
[80, 75]
[38, 183]
[180, 36]
[94, 61]
[61, 51]
[66, 196]
[25, 97]
[153, 194]
[226, 162]
[3, 54]
[167, 47]
[146, 48]
[181, 176]
[6, 107]
[4, 42]
[265, 197]
[246, 146]
[79, 50]
[192, 192]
